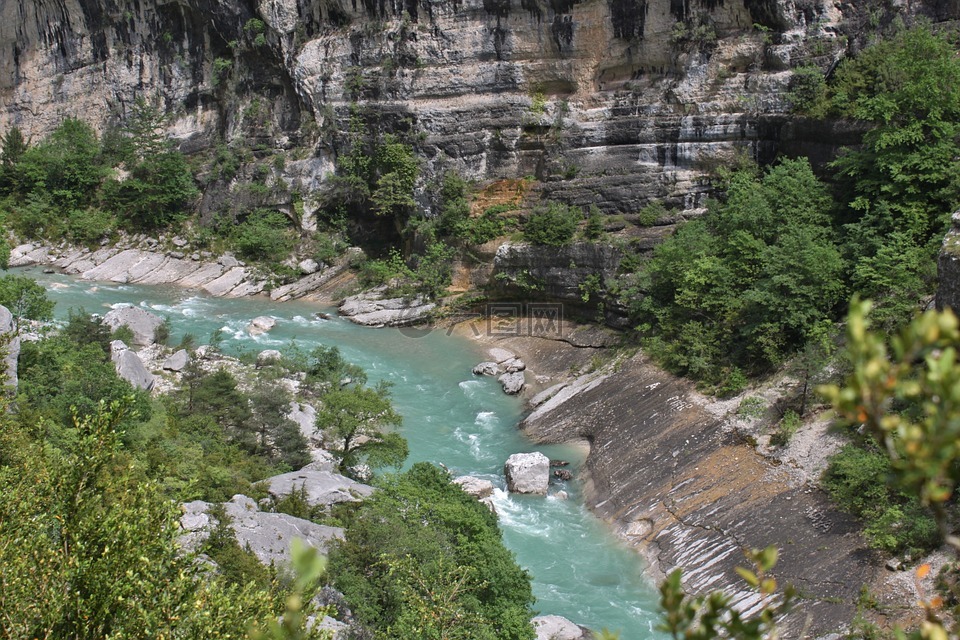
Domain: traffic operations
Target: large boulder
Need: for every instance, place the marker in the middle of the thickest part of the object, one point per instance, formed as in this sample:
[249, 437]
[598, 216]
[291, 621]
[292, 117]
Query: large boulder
[479, 488]
[512, 383]
[177, 362]
[267, 535]
[130, 367]
[321, 488]
[260, 325]
[142, 323]
[528, 473]
[10, 350]
[557, 628]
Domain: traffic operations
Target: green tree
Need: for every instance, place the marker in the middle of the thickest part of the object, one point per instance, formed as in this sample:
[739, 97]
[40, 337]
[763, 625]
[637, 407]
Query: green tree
[902, 183]
[66, 165]
[421, 557]
[353, 420]
[25, 299]
[264, 235]
[750, 282]
[154, 194]
[88, 549]
[553, 225]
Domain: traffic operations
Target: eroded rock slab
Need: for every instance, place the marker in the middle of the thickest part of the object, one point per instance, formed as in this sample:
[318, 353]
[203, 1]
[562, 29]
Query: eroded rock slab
[320, 488]
[689, 494]
[371, 309]
[268, 535]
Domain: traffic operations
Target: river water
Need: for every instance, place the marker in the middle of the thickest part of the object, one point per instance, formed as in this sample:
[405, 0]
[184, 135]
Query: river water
[579, 569]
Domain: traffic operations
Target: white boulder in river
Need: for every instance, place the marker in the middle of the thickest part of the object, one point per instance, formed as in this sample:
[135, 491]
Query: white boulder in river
[528, 473]
[143, 323]
[261, 324]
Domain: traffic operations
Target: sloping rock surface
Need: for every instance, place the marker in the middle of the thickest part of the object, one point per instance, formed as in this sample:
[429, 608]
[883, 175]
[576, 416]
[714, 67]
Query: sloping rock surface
[684, 490]
[321, 488]
[268, 535]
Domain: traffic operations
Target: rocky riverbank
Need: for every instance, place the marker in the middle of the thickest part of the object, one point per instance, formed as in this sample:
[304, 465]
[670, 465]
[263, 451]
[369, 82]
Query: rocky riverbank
[677, 480]
[142, 260]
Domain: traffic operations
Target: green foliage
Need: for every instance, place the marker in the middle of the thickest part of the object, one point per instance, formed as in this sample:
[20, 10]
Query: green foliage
[744, 286]
[98, 542]
[808, 91]
[902, 183]
[712, 616]
[906, 397]
[66, 166]
[651, 213]
[859, 481]
[553, 225]
[154, 194]
[64, 187]
[221, 69]
[25, 299]
[594, 228]
[397, 169]
[353, 421]
[787, 428]
[421, 559]
[265, 235]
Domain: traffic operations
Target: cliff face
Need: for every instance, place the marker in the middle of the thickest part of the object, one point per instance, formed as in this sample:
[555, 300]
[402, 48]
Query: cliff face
[611, 102]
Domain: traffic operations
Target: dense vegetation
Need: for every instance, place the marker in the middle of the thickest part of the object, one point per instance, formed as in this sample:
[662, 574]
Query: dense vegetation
[422, 559]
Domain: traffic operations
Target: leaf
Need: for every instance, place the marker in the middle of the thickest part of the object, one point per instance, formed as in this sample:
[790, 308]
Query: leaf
[922, 571]
[749, 576]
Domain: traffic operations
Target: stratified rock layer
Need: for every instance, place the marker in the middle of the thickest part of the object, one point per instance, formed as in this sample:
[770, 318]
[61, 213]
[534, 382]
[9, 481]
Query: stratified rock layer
[689, 494]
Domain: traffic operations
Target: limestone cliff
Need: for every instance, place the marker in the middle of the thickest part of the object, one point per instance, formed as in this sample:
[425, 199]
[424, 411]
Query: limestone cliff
[611, 102]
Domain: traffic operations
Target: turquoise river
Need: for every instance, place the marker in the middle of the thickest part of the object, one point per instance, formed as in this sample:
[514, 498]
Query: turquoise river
[450, 416]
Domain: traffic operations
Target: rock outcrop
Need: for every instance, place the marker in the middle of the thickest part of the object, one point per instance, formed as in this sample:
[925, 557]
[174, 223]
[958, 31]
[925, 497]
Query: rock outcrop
[557, 628]
[687, 492]
[320, 488]
[479, 488]
[608, 103]
[130, 367]
[9, 347]
[528, 473]
[373, 310]
[141, 322]
[267, 535]
[948, 268]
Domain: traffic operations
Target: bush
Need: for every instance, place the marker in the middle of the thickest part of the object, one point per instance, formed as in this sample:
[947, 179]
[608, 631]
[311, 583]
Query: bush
[265, 235]
[858, 479]
[420, 541]
[808, 91]
[552, 226]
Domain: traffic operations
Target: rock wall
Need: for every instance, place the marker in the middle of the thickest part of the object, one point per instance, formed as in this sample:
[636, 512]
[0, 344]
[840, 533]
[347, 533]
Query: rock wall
[683, 489]
[609, 102]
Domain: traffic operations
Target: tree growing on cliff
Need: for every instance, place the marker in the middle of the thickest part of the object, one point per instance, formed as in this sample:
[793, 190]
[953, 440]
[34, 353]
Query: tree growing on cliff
[354, 420]
[744, 286]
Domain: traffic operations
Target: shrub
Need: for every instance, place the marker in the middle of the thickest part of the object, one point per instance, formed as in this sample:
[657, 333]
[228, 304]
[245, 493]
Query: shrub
[858, 479]
[265, 235]
[553, 225]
